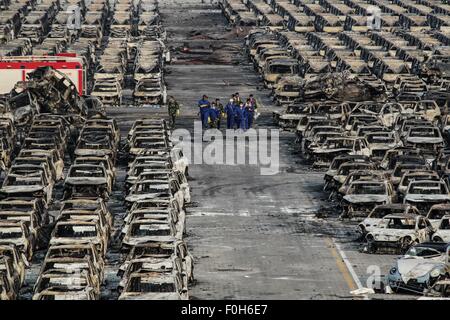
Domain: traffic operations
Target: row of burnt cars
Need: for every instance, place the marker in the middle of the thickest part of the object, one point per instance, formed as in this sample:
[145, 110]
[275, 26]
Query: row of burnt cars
[27, 19]
[134, 56]
[26, 193]
[78, 236]
[73, 267]
[337, 16]
[374, 66]
[387, 167]
[157, 262]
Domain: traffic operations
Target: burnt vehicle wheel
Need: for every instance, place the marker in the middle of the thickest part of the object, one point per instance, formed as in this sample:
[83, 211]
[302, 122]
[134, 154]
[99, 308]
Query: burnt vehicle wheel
[371, 245]
[343, 207]
[361, 232]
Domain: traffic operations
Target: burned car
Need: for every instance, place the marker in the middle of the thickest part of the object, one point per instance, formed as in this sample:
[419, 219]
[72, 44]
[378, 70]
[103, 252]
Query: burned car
[155, 286]
[145, 230]
[381, 142]
[424, 135]
[287, 90]
[411, 164]
[104, 161]
[347, 168]
[108, 90]
[149, 91]
[426, 193]
[339, 193]
[142, 164]
[166, 215]
[437, 212]
[276, 68]
[19, 260]
[148, 124]
[166, 250]
[30, 185]
[9, 279]
[420, 268]
[18, 234]
[363, 195]
[65, 284]
[80, 232]
[399, 232]
[381, 211]
[337, 162]
[99, 137]
[168, 175]
[413, 175]
[139, 143]
[87, 181]
[88, 206]
[67, 265]
[442, 233]
[150, 189]
[145, 265]
[333, 147]
[51, 157]
[67, 292]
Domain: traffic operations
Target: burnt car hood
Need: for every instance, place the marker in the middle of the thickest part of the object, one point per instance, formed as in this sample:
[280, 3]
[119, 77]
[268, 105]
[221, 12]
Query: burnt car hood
[22, 189]
[325, 150]
[366, 198]
[424, 140]
[93, 152]
[413, 268]
[133, 241]
[138, 197]
[426, 197]
[86, 181]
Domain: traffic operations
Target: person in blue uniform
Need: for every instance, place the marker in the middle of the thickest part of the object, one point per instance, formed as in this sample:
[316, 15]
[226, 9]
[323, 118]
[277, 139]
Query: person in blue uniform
[213, 115]
[250, 109]
[204, 106]
[242, 116]
[230, 111]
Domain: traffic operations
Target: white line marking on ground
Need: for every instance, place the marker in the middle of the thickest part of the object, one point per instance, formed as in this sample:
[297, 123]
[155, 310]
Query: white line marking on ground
[349, 267]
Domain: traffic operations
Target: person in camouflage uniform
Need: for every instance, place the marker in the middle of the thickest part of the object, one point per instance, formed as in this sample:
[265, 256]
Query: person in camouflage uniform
[173, 108]
[221, 112]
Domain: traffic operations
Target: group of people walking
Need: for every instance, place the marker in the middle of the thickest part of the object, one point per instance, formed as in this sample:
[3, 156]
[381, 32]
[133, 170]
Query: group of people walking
[239, 114]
